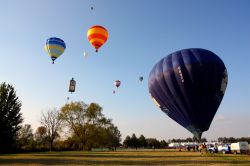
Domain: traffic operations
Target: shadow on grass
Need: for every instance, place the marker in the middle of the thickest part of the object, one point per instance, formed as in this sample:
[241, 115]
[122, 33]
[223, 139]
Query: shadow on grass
[53, 161]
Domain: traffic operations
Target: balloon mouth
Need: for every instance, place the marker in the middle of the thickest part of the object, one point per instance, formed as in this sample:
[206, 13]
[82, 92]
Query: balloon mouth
[53, 59]
[195, 131]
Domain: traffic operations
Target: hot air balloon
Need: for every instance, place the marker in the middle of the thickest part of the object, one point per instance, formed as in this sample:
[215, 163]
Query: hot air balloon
[85, 54]
[117, 83]
[72, 85]
[141, 78]
[188, 85]
[97, 36]
[54, 47]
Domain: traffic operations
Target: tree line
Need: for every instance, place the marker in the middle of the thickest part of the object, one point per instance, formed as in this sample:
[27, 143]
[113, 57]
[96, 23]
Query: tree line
[84, 125]
[142, 142]
[232, 139]
[194, 139]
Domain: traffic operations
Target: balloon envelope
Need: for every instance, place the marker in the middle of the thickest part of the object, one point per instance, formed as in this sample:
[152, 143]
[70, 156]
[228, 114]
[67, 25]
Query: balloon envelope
[141, 78]
[97, 36]
[117, 83]
[188, 85]
[55, 47]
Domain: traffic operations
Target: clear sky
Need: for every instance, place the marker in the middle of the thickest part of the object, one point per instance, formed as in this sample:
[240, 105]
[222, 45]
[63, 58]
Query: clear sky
[141, 32]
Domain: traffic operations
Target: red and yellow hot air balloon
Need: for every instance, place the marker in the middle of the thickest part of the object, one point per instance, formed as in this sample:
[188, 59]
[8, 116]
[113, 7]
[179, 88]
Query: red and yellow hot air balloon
[97, 36]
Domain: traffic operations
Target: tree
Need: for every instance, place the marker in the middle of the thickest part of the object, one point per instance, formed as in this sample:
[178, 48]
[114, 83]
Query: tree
[41, 133]
[189, 139]
[94, 114]
[90, 126]
[142, 141]
[25, 137]
[114, 135]
[134, 141]
[52, 122]
[41, 137]
[163, 143]
[232, 139]
[73, 115]
[26, 132]
[10, 116]
[153, 142]
[203, 139]
[127, 142]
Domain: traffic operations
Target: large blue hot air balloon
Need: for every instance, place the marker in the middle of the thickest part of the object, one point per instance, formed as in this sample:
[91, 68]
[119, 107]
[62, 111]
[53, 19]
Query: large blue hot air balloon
[188, 85]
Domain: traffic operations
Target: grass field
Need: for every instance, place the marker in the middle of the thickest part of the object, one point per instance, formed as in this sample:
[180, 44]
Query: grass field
[156, 157]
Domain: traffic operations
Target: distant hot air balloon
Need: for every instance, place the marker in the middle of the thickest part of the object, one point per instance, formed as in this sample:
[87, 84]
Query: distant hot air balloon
[188, 85]
[97, 36]
[85, 54]
[141, 78]
[117, 83]
[54, 47]
[72, 85]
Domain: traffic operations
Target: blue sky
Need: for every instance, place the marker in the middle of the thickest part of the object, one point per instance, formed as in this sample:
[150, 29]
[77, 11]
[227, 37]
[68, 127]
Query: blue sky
[140, 34]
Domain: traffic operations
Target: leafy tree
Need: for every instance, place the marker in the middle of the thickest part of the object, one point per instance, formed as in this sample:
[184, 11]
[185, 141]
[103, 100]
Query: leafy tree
[134, 141]
[232, 139]
[101, 132]
[203, 139]
[72, 143]
[189, 140]
[152, 142]
[163, 143]
[26, 132]
[52, 122]
[73, 115]
[247, 139]
[10, 116]
[25, 137]
[41, 133]
[41, 137]
[114, 135]
[89, 125]
[142, 141]
[94, 115]
[127, 142]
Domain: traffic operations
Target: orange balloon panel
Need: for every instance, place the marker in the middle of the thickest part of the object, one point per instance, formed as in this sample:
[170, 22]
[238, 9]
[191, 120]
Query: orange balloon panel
[97, 36]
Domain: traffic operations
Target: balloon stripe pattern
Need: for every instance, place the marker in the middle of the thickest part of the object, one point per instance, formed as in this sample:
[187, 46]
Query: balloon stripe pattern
[188, 85]
[55, 47]
[97, 36]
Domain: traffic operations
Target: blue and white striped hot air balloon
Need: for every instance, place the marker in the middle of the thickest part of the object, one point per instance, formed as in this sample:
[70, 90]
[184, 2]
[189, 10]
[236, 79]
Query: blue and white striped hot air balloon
[55, 47]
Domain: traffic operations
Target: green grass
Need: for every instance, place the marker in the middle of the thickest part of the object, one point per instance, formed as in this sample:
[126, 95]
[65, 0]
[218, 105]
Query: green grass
[157, 157]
